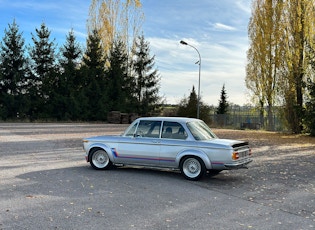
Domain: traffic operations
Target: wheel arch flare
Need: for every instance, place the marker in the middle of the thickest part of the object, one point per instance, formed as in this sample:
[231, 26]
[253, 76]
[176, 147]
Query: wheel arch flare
[196, 153]
[100, 146]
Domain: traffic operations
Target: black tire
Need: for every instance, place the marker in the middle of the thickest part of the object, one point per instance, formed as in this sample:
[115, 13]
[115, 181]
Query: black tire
[192, 168]
[99, 159]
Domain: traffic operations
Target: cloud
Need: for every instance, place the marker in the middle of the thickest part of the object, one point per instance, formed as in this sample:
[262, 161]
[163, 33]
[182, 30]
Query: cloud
[244, 5]
[221, 64]
[218, 29]
[220, 26]
[220, 37]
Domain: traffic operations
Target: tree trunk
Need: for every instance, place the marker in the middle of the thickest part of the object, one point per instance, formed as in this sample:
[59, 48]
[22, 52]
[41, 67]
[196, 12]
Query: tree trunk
[270, 126]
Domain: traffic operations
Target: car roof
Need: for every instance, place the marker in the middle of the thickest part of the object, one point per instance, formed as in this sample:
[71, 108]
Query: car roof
[172, 119]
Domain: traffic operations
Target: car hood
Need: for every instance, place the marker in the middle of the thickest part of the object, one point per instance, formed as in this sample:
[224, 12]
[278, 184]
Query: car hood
[104, 138]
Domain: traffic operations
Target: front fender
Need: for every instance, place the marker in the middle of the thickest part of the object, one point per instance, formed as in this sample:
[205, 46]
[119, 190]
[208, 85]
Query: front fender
[101, 146]
[193, 152]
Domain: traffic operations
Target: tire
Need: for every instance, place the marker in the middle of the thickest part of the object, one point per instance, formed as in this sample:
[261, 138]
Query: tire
[192, 168]
[99, 159]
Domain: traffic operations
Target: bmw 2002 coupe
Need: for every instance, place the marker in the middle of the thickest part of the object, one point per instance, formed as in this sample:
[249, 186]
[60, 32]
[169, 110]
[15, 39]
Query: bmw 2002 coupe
[187, 144]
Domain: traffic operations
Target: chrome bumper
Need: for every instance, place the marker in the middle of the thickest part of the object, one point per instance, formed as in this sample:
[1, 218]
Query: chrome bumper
[239, 164]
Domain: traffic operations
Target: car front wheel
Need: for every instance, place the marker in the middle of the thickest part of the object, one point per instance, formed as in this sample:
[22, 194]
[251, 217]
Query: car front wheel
[192, 168]
[100, 160]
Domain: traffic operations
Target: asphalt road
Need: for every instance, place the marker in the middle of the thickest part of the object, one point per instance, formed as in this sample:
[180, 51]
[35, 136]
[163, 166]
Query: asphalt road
[45, 183]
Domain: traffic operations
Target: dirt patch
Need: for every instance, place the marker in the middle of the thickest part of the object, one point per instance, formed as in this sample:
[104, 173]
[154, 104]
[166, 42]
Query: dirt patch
[263, 138]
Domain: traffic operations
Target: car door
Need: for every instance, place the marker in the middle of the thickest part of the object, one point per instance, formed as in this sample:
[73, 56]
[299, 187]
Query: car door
[143, 148]
[173, 141]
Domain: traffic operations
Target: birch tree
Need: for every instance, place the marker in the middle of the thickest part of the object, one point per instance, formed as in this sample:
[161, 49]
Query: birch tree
[299, 33]
[116, 19]
[265, 53]
[278, 58]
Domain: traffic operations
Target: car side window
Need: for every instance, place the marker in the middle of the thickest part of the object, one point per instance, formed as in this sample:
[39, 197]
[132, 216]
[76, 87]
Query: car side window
[173, 130]
[149, 129]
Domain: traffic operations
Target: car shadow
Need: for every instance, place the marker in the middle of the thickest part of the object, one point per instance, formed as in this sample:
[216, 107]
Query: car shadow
[72, 181]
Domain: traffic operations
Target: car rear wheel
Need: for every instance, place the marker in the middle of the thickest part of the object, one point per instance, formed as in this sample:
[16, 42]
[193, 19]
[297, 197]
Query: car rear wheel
[100, 160]
[192, 168]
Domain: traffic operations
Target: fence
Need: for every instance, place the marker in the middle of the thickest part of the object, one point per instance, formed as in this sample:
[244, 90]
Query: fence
[247, 117]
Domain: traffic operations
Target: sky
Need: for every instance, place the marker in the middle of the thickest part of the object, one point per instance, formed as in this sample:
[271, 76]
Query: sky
[216, 28]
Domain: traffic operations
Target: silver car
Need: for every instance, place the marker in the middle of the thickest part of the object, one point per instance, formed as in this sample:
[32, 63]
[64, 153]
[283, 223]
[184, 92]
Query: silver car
[187, 144]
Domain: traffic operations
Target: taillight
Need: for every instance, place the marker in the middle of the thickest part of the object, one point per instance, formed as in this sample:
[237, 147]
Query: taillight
[235, 156]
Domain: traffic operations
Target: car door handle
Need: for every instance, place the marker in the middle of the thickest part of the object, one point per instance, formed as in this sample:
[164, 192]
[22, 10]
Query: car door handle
[156, 142]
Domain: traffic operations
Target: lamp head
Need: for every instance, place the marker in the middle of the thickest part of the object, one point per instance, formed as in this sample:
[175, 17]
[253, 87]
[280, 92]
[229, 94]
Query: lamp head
[183, 42]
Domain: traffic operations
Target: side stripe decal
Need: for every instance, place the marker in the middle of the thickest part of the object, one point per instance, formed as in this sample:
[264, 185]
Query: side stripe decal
[116, 155]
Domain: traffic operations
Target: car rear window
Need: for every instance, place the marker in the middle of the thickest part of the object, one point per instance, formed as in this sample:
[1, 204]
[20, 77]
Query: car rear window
[200, 130]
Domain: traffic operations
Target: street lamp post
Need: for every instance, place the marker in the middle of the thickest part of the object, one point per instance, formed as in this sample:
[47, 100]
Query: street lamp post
[199, 63]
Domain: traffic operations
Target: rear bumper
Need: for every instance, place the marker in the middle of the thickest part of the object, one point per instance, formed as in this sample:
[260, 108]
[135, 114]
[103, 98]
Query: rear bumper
[239, 164]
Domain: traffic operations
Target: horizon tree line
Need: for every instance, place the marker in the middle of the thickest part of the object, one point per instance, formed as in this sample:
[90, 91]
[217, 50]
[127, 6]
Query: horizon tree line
[39, 82]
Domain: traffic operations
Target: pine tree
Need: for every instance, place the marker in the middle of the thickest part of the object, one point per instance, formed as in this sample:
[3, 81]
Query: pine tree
[13, 69]
[44, 73]
[146, 78]
[223, 104]
[188, 107]
[94, 81]
[119, 83]
[68, 92]
[222, 108]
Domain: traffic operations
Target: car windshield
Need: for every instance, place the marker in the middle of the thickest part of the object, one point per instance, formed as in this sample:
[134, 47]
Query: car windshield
[200, 130]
